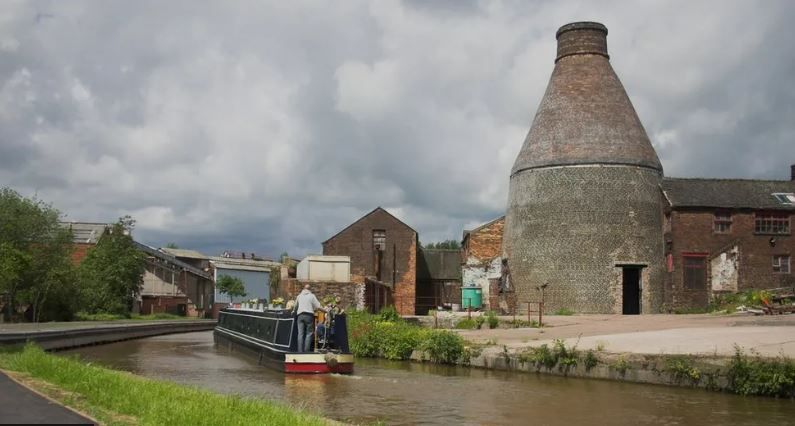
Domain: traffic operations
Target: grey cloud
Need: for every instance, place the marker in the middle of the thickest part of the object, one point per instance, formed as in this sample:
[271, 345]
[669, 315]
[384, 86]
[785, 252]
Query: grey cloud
[269, 126]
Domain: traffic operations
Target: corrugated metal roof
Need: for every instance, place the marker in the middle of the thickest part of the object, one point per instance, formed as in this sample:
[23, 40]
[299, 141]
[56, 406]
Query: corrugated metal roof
[243, 264]
[86, 232]
[189, 254]
[727, 193]
[171, 259]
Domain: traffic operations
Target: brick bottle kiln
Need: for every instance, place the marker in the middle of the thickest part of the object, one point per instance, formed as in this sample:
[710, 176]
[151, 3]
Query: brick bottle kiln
[585, 209]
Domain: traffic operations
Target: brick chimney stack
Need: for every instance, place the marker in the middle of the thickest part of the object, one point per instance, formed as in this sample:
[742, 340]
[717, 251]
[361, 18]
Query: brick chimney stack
[582, 38]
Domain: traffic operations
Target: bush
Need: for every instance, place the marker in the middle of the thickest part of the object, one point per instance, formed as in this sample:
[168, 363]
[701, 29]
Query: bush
[370, 337]
[390, 314]
[82, 316]
[758, 376]
[443, 346]
[492, 319]
[467, 324]
[564, 311]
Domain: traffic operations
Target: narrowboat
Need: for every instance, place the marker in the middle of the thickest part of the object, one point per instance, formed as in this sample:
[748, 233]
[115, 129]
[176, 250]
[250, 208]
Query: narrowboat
[271, 335]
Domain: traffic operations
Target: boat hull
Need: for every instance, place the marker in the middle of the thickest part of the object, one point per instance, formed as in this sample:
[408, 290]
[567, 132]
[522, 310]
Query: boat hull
[277, 353]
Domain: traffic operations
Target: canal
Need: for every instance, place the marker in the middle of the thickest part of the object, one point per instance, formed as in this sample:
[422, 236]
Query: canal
[404, 393]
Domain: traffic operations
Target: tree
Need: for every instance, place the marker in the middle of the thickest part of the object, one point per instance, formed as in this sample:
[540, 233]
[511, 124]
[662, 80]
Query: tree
[112, 273]
[231, 286]
[35, 263]
[172, 245]
[446, 245]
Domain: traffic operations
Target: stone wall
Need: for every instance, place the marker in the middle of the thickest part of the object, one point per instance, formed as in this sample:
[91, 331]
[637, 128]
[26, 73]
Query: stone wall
[352, 294]
[749, 254]
[574, 227]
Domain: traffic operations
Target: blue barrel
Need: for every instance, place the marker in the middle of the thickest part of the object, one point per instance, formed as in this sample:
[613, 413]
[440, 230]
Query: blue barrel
[471, 297]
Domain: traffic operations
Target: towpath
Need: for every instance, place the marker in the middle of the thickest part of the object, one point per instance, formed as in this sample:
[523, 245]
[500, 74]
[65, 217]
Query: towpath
[655, 334]
[20, 405]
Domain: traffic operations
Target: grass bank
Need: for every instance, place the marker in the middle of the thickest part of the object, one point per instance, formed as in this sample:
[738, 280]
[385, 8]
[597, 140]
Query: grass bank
[119, 398]
[82, 316]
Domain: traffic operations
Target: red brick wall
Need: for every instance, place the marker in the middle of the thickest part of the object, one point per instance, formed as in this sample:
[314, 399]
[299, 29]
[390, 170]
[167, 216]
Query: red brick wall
[692, 232]
[356, 241]
[80, 251]
[485, 243]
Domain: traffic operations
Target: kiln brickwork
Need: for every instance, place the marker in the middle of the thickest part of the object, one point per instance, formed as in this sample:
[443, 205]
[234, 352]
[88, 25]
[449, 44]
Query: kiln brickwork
[585, 210]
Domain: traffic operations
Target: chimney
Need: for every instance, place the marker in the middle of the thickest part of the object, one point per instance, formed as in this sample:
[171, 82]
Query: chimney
[582, 38]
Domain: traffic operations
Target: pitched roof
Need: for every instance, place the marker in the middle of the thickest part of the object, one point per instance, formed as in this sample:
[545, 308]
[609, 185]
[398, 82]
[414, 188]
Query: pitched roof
[188, 254]
[243, 264]
[727, 193]
[489, 223]
[86, 232]
[171, 259]
[363, 217]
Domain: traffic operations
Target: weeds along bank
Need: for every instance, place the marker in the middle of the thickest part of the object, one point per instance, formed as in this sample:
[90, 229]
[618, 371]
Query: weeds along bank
[742, 374]
[115, 397]
[388, 336]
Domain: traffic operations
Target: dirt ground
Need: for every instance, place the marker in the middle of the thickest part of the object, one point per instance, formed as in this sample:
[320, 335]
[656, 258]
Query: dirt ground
[654, 334]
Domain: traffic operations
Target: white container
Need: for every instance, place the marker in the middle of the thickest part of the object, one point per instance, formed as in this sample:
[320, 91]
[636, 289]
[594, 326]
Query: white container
[324, 268]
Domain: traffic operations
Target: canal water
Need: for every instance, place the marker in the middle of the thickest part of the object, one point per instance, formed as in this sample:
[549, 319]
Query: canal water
[404, 393]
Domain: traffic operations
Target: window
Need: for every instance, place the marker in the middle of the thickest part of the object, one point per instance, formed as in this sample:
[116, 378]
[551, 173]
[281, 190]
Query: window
[722, 223]
[771, 223]
[379, 239]
[785, 198]
[695, 272]
[781, 264]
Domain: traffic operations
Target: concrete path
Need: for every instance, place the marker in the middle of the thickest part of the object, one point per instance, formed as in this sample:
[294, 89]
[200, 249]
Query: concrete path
[655, 334]
[19, 405]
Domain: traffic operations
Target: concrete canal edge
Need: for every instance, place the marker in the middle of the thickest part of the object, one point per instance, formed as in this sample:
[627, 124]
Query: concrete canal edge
[86, 335]
[695, 371]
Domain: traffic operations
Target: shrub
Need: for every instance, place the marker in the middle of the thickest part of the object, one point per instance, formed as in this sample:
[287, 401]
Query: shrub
[479, 321]
[564, 311]
[758, 376]
[390, 314]
[492, 319]
[443, 346]
[467, 324]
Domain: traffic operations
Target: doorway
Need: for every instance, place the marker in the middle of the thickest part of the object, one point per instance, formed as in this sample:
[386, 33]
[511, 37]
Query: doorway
[631, 290]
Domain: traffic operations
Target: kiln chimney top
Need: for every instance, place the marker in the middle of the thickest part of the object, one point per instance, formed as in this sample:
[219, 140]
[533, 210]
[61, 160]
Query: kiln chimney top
[582, 38]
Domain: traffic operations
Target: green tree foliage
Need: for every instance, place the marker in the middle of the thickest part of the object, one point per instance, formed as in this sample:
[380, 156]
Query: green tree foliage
[36, 271]
[231, 286]
[112, 273]
[446, 245]
[172, 245]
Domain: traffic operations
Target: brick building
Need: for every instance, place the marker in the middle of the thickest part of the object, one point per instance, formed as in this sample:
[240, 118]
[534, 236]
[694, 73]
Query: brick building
[85, 236]
[584, 207]
[383, 253]
[481, 251]
[726, 235]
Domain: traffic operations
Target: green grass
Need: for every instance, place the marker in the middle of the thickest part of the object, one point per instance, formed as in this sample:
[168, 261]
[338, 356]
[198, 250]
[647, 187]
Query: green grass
[115, 397]
[564, 311]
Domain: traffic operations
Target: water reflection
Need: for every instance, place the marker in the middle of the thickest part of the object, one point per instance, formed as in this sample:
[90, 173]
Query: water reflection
[403, 393]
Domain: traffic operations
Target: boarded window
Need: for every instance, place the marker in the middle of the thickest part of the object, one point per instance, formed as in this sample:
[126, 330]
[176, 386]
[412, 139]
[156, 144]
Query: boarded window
[379, 239]
[695, 272]
[771, 223]
[722, 223]
[781, 264]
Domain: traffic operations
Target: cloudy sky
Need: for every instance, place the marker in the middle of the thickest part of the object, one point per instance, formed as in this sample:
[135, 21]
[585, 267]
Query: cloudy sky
[269, 126]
